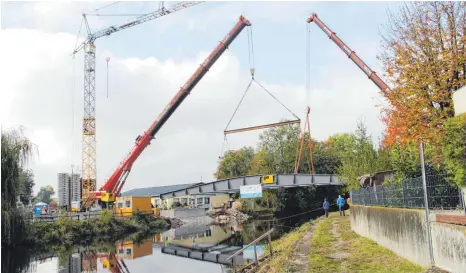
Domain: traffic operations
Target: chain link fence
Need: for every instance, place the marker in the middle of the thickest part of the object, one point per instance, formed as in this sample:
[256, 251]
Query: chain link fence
[410, 194]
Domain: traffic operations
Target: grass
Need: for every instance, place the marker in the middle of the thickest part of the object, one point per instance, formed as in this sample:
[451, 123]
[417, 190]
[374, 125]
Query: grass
[322, 244]
[362, 254]
[283, 250]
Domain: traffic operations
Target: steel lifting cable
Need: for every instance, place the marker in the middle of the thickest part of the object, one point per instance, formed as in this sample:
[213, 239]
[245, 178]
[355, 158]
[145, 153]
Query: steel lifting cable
[308, 100]
[276, 99]
[252, 70]
[236, 109]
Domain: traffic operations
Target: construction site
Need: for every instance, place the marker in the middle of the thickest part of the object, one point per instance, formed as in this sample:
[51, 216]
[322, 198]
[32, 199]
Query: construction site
[291, 189]
[111, 189]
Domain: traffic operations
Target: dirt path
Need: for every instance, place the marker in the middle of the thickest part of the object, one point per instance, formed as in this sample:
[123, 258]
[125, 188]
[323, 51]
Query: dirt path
[339, 256]
[300, 258]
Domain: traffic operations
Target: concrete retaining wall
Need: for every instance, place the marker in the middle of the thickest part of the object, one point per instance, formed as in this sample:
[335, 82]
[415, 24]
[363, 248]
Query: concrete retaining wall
[183, 213]
[404, 232]
[449, 243]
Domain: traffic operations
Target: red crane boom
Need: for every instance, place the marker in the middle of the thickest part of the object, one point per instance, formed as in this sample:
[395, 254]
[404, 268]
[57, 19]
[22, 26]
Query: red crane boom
[350, 53]
[115, 183]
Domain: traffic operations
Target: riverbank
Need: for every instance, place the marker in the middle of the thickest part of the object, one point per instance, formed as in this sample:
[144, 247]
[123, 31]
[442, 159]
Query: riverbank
[67, 232]
[329, 245]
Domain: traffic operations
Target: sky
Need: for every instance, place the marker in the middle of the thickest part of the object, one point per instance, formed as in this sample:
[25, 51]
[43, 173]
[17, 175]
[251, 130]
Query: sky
[41, 84]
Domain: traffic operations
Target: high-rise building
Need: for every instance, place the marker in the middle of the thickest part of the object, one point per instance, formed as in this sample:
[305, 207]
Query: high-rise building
[75, 185]
[69, 189]
[64, 190]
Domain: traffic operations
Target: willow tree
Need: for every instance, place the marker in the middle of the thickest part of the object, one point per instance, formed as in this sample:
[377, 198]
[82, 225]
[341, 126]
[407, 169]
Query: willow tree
[424, 57]
[16, 151]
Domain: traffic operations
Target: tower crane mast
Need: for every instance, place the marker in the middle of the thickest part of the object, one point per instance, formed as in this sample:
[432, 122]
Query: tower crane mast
[350, 53]
[114, 184]
[89, 165]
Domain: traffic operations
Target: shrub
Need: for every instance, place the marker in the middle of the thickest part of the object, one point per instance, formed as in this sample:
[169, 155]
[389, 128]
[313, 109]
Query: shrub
[454, 153]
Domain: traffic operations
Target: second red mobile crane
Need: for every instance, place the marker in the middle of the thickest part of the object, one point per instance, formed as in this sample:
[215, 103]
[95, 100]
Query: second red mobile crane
[114, 184]
[350, 53]
[358, 61]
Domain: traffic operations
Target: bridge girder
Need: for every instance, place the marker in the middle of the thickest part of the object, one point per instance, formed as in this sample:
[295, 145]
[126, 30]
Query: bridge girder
[234, 184]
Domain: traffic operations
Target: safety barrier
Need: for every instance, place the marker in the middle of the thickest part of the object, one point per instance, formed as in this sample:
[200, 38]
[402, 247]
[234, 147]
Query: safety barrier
[410, 194]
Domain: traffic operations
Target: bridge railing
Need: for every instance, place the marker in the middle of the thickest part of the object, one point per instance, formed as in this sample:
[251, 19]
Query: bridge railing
[253, 243]
[410, 194]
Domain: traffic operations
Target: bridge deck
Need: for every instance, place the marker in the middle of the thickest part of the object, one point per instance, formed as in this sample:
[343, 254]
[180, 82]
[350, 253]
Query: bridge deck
[213, 257]
[280, 180]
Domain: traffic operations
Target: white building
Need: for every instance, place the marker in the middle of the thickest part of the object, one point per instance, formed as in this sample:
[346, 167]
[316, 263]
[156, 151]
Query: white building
[69, 189]
[459, 101]
[75, 185]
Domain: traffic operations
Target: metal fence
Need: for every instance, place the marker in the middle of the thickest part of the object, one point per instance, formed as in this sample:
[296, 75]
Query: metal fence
[410, 194]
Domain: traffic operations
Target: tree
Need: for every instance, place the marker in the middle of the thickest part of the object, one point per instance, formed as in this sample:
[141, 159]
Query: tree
[45, 194]
[455, 148]
[358, 157]
[326, 161]
[424, 57]
[26, 181]
[235, 163]
[280, 147]
[16, 151]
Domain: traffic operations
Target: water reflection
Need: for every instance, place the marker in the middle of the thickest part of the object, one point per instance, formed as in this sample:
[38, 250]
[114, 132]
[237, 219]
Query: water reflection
[203, 248]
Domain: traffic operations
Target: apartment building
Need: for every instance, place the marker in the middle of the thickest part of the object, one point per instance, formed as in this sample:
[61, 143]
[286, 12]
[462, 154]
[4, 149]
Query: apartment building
[69, 189]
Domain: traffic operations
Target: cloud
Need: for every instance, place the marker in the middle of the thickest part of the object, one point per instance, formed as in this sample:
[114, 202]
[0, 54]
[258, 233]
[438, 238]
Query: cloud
[43, 87]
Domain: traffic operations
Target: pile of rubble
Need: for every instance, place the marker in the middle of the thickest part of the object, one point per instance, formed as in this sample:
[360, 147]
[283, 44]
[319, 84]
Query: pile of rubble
[232, 216]
[174, 222]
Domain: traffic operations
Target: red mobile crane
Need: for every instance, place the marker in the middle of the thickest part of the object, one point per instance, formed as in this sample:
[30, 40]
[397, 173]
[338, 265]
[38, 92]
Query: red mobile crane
[355, 58]
[114, 184]
[350, 53]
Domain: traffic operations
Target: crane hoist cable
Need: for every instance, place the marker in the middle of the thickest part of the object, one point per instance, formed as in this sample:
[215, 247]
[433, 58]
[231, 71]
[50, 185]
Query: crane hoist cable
[252, 71]
[307, 127]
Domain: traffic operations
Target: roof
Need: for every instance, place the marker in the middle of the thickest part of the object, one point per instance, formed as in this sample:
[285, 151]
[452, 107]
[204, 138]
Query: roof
[156, 191]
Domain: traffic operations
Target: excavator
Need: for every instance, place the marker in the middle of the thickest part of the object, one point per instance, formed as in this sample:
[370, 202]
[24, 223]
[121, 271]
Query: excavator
[112, 188]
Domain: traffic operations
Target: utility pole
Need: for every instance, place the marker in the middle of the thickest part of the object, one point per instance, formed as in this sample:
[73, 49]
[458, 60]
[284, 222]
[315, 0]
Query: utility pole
[426, 204]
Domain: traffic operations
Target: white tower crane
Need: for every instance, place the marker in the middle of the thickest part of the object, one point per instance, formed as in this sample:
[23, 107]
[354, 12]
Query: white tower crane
[89, 169]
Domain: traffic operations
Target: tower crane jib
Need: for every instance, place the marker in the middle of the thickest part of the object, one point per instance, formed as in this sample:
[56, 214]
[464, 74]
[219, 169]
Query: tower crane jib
[89, 170]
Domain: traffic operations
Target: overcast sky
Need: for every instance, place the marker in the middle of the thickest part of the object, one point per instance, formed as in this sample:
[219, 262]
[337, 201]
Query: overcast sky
[41, 85]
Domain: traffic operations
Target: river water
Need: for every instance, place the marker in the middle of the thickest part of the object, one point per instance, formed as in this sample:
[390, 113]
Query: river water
[194, 248]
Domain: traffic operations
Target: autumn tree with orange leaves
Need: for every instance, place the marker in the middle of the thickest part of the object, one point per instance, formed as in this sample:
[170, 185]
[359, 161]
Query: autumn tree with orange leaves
[424, 59]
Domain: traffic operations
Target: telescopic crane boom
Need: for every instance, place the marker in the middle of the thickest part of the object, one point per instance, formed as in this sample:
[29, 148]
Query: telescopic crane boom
[350, 53]
[115, 183]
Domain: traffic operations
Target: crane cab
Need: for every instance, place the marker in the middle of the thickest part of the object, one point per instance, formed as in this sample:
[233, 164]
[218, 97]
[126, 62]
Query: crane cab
[108, 197]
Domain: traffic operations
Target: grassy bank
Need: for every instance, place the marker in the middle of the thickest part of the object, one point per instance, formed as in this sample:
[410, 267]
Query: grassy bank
[283, 250]
[106, 228]
[336, 248]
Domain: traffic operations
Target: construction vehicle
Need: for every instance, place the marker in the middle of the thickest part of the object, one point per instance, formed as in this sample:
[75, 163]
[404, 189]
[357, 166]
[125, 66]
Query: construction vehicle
[115, 183]
[350, 53]
[358, 61]
[89, 160]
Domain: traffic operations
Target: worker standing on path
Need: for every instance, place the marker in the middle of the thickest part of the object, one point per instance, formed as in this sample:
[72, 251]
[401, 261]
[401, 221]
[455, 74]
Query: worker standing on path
[340, 204]
[326, 206]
